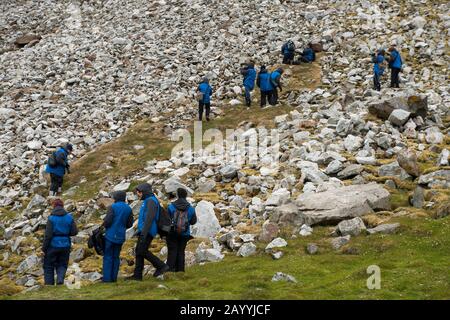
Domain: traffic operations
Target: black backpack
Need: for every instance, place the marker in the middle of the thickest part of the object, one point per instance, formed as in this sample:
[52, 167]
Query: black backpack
[164, 222]
[290, 45]
[52, 160]
[97, 241]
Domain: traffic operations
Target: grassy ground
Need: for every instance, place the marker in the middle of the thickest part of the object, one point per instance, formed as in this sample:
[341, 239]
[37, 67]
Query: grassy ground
[414, 265]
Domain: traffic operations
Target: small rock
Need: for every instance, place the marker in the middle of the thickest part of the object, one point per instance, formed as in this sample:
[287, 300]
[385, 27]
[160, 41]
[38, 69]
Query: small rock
[280, 276]
[312, 248]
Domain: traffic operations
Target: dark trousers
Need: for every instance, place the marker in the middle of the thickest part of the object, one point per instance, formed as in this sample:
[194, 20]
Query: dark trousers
[144, 253]
[207, 107]
[376, 82]
[248, 97]
[176, 245]
[56, 182]
[395, 81]
[274, 98]
[111, 261]
[266, 96]
[288, 58]
[56, 260]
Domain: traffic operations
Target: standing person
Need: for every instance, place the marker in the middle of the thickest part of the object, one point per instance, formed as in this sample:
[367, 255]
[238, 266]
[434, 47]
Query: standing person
[395, 63]
[249, 74]
[378, 68]
[118, 219]
[183, 216]
[275, 79]
[288, 51]
[56, 246]
[204, 101]
[147, 230]
[58, 169]
[264, 84]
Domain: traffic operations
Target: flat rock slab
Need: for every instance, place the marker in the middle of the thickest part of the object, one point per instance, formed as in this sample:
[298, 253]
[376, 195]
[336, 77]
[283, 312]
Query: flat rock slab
[341, 203]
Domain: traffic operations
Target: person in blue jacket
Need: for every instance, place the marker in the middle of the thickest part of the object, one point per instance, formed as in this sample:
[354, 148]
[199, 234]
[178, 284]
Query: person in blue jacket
[57, 172]
[288, 51]
[378, 68]
[147, 230]
[118, 219]
[205, 91]
[275, 79]
[308, 55]
[264, 84]
[249, 74]
[395, 63]
[183, 216]
[57, 244]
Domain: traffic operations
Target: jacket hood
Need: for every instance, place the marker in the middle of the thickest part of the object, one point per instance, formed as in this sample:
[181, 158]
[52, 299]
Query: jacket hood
[119, 196]
[59, 211]
[146, 189]
[263, 70]
[279, 70]
[181, 204]
[205, 80]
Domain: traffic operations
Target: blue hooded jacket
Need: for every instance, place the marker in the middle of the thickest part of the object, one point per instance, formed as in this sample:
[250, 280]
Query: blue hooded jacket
[60, 169]
[183, 205]
[249, 78]
[309, 54]
[377, 68]
[206, 89]
[118, 219]
[60, 227]
[275, 78]
[396, 59]
[263, 81]
[143, 214]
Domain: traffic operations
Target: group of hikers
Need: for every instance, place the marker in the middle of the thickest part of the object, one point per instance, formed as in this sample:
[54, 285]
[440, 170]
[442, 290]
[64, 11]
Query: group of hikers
[179, 216]
[394, 62]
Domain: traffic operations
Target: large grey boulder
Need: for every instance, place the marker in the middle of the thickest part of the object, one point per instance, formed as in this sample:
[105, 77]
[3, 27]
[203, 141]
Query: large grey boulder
[208, 255]
[407, 159]
[335, 205]
[173, 183]
[207, 223]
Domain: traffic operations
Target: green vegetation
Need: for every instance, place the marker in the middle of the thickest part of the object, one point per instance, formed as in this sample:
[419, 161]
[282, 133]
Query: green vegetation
[413, 262]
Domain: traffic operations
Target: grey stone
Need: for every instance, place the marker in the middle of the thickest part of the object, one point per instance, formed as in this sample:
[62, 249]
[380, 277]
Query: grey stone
[312, 248]
[276, 243]
[418, 198]
[208, 255]
[338, 242]
[28, 264]
[384, 228]
[207, 223]
[437, 179]
[399, 117]
[350, 171]
[280, 276]
[351, 227]
[393, 169]
[247, 249]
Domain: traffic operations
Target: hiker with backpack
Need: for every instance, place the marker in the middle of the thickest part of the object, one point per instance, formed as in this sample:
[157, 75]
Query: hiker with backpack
[183, 216]
[264, 84]
[147, 229]
[395, 64]
[118, 219]
[378, 68]
[57, 166]
[275, 79]
[57, 243]
[249, 74]
[204, 98]
[288, 51]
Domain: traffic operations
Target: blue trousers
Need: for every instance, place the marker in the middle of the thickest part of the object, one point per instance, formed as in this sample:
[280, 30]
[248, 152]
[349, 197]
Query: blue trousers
[248, 96]
[55, 260]
[111, 261]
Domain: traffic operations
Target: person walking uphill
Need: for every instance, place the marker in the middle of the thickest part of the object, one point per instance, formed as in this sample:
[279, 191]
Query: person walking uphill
[275, 79]
[395, 63]
[378, 68]
[56, 246]
[204, 101]
[57, 166]
[264, 84]
[147, 229]
[118, 219]
[183, 216]
[249, 74]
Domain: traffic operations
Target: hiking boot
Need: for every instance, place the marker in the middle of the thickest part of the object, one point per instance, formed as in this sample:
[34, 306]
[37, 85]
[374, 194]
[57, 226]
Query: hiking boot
[161, 271]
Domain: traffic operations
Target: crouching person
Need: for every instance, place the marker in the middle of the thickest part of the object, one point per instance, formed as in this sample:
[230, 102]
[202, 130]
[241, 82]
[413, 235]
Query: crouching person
[147, 230]
[183, 216]
[118, 219]
[57, 243]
